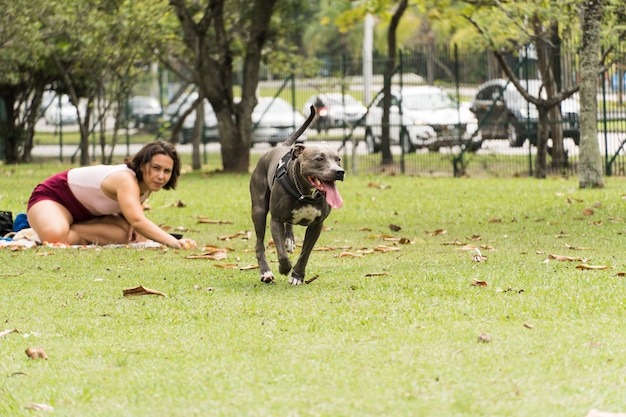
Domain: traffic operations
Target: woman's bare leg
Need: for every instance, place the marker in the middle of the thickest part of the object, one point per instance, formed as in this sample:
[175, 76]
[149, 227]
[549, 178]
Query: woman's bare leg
[53, 224]
[103, 230]
[51, 221]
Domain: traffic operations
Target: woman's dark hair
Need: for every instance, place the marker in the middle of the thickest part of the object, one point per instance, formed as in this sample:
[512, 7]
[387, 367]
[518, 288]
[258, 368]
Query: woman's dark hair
[144, 156]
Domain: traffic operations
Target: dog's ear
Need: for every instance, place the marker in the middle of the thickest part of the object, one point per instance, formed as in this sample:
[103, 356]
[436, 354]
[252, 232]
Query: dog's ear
[297, 150]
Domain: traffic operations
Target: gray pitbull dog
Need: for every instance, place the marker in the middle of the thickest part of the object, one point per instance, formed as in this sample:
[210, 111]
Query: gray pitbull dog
[296, 185]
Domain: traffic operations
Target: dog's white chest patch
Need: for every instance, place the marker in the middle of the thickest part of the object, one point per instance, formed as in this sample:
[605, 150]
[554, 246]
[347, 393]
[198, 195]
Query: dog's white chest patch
[305, 215]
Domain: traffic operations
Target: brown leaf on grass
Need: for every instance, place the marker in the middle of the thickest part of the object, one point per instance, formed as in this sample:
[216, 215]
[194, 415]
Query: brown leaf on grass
[210, 221]
[364, 229]
[248, 267]
[478, 257]
[141, 290]
[484, 338]
[454, 243]
[528, 325]
[575, 247]
[436, 232]
[495, 220]
[227, 266]
[310, 280]
[405, 241]
[349, 255]
[564, 258]
[178, 203]
[245, 234]
[8, 331]
[561, 235]
[391, 239]
[479, 283]
[588, 211]
[379, 186]
[40, 407]
[217, 255]
[377, 274]
[385, 249]
[36, 353]
[594, 267]
[474, 238]
[621, 274]
[394, 227]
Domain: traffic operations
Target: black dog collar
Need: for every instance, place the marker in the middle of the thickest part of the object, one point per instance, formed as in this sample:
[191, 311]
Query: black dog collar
[288, 185]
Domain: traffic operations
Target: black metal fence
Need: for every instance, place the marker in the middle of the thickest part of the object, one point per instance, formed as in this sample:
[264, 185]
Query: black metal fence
[459, 73]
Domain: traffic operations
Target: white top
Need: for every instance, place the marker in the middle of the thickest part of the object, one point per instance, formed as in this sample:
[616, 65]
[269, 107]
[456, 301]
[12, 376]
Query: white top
[86, 185]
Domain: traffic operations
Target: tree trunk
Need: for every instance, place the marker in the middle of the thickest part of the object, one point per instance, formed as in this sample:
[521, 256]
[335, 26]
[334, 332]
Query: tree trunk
[590, 169]
[387, 157]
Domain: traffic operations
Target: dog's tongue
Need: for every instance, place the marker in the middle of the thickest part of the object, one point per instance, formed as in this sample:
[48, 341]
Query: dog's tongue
[332, 195]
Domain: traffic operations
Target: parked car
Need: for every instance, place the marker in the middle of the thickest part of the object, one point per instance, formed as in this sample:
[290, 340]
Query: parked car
[143, 111]
[60, 111]
[172, 112]
[421, 117]
[274, 120]
[341, 110]
[503, 113]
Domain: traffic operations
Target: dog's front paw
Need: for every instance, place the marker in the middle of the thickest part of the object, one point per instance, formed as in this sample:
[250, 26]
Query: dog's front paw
[296, 280]
[267, 277]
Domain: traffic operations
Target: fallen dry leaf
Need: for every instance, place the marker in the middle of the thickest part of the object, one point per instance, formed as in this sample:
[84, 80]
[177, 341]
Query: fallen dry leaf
[141, 290]
[528, 325]
[479, 283]
[209, 221]
[310, 280]
[8, 331]
[364, 229]
[36, 353]
[218, 255]
[405, 241]
[474, 238]
[594, 267]
[436, 232]
[245, 234]
[575, 247]
[394, 227]
[588, 211]
[565, 258]
[385, 249]
[40, 407]
[248, 267]
[377, 274]
[485, 338]
[621, 274]
[495, 220]
[178, 203]
[561, 235]
[227, 266]
[349, 255]
[455, 243]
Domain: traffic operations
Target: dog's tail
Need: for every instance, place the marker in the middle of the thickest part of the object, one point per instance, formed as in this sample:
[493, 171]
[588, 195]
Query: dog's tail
[295, 135]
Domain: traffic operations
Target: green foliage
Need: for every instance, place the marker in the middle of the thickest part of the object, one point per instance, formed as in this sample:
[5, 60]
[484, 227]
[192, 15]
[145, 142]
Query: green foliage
[393, 333]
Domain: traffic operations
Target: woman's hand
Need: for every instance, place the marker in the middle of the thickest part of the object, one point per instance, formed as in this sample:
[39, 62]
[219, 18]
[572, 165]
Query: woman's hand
[187, 244]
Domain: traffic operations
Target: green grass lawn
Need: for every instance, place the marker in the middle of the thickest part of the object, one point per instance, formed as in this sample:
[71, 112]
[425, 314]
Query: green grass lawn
[379, 333]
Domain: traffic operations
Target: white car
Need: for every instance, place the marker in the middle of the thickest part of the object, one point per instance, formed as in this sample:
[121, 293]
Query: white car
[209, 129]
[274, 120]
[60, 112]
[421, 117]
[342, 110]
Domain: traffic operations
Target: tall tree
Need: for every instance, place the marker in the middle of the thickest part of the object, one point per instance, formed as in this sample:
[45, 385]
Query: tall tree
[590, 167]
[222, 37]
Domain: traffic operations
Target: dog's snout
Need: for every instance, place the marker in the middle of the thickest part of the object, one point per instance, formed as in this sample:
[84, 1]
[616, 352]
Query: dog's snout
[339, 174]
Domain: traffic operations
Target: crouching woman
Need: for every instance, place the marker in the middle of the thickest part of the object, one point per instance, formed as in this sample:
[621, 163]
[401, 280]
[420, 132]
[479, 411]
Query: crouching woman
[102, 204]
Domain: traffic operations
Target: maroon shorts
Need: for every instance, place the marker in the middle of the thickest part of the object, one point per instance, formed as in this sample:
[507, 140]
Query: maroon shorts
[56, 189]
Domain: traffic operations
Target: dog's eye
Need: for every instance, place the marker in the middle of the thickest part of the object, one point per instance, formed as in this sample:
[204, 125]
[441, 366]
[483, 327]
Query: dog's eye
[319, 158]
